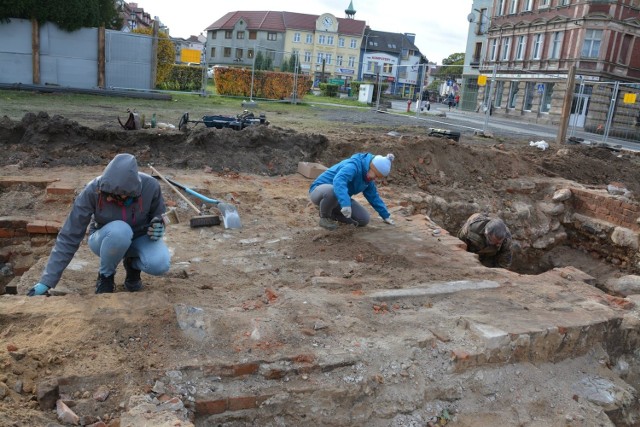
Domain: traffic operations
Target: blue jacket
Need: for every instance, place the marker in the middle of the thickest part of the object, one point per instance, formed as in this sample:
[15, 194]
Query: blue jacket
[348, 179]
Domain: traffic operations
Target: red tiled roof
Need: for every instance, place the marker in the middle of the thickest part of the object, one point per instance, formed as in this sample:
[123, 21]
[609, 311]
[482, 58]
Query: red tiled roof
[281, 21]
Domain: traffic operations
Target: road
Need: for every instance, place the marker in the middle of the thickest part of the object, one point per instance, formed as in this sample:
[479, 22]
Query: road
[468, 123]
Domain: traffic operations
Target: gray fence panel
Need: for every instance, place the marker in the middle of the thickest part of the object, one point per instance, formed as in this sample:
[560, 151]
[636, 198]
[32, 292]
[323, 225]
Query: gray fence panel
[15, 52]
[69, 58]
[128, 60]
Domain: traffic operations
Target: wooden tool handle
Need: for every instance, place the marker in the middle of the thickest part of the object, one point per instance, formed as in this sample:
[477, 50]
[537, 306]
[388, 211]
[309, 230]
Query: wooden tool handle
[195, 208]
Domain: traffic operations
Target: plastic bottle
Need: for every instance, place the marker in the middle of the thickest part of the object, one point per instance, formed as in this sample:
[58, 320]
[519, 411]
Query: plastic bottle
[153, 120]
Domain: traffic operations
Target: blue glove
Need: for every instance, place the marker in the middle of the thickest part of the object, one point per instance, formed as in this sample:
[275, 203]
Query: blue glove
[156, 229]
[38, 289]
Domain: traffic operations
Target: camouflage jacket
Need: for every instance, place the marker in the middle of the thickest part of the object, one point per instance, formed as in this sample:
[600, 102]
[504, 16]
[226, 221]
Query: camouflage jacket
[472, 233]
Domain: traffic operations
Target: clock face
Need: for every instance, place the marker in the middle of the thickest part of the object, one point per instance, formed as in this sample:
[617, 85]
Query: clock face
[327, 22]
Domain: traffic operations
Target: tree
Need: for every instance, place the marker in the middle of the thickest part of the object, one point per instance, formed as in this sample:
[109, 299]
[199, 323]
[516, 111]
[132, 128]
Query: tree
[259, 59]
[166, 54]
[451, 66]
[69, 15]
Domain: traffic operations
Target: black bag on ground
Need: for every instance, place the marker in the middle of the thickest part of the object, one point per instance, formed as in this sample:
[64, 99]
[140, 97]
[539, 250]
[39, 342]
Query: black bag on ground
[133, 122]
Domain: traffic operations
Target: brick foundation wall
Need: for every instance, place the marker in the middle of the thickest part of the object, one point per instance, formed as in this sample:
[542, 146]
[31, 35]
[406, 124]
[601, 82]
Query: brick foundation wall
[602, 206]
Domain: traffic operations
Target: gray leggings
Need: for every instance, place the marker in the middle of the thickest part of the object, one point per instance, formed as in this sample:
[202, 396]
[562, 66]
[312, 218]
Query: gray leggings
[324, 197]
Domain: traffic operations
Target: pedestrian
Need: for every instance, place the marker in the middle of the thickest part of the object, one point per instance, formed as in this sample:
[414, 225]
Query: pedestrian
[488, 237]
[123, 209]
[457, 100]
[450, 100]
[333, 189]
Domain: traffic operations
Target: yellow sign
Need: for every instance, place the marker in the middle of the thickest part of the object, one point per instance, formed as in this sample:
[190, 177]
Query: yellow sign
[482, 80]
[190, 55]
[629, 98]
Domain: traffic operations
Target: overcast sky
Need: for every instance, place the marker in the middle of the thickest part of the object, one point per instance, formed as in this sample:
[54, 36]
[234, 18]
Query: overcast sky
[440, 26]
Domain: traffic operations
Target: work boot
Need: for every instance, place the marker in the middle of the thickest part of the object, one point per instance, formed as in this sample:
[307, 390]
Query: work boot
[104, 284]
[328, 223]
[132, 282]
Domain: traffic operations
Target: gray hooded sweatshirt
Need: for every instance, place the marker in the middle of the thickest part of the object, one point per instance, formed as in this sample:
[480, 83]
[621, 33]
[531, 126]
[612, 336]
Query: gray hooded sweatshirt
[92, 209]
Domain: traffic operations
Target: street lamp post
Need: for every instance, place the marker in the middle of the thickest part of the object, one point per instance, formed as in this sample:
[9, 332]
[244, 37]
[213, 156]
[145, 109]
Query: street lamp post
[366, 43]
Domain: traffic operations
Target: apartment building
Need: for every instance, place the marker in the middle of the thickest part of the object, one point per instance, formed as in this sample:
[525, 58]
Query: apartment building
[532, 45]
[327, 47]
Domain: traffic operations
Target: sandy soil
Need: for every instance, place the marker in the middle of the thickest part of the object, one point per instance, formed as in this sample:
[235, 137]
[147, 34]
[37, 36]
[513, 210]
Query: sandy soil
[263, 271]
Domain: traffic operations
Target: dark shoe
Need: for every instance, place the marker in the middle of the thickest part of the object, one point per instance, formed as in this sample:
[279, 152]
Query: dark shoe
[132, 282]
[104, 284]
[328, 223]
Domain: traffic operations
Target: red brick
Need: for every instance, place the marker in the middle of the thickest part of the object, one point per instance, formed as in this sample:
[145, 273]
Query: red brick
[211, 407]
[43, 227]
[245, 402]
[245, 369]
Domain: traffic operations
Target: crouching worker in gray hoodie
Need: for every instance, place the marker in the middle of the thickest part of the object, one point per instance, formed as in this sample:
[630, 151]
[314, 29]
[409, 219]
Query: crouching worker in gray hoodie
[123, 209]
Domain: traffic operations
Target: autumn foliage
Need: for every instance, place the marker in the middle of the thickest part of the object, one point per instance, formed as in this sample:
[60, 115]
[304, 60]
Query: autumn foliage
[266, 84]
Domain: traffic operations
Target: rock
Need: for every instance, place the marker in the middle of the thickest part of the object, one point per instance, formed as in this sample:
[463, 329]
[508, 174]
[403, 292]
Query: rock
[47, 394]
[65, 414]
[101, 394]
[561, 195]
[552, 209]
[624, 286]
[604, 393]
[624, 237]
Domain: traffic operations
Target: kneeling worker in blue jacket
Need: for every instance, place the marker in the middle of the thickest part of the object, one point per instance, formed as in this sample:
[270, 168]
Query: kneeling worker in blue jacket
[333, 189]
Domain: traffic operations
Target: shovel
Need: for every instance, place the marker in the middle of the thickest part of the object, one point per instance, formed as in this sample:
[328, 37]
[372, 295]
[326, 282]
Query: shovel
[230, 217]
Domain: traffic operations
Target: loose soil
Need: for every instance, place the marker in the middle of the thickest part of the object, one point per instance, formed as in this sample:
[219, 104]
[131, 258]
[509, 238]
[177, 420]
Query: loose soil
[262, 271]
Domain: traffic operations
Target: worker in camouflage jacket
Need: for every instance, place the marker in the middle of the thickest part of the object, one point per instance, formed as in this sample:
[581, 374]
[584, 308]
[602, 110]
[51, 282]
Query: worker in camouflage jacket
[489, 238]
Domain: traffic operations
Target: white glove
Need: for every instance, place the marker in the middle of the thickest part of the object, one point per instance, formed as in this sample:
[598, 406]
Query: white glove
[346, 211]
[389, 221]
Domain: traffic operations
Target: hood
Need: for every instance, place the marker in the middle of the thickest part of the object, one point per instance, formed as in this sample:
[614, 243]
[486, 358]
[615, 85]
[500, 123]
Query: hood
[121, 176]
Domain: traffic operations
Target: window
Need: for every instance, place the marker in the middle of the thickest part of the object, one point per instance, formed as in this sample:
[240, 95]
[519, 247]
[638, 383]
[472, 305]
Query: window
[339, 60]
[498, 95]
[213, 35]
[514, 7]
[513, 95]
[388, 68]
[483, 22]
[321, 39]
[227, 52]
[213, 52]
[477, 54]
[228, 34]
[537, 46]
[327, 58]
[544, 4]
[253, 35]
[546, 97]
[340, 41]
[500, 7]
[240, 35]
[352, 61]
[565, 2]
[494, 49]
[624, 49]
[307, 56]
[271, 54]
[353, 44]
[591, 46]
[320, 58]
[296, 37]
[309, 39]
[506, 48]
[528, 5]
[239, 53]
[330, 40]
[529, 90]
[250, 53]
[272, 36]
[556, 45]
[521, 44]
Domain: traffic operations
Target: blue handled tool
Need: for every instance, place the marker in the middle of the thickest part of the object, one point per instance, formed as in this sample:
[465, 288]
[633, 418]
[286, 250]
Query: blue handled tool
[230, 216]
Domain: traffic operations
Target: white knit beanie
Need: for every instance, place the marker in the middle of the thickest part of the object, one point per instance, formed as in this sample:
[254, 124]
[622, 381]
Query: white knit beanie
[383, 163]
